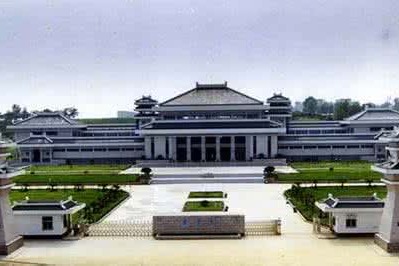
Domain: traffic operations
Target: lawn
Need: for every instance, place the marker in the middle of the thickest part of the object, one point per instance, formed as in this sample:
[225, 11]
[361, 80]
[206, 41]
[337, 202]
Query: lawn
[206, 194]
[76, 169]
[345, 171]
[304, 198]
[74, 179]
[203, 206]
[98, 202]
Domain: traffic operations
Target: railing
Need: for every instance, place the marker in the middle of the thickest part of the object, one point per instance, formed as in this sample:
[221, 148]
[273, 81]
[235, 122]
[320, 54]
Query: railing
[143, 228]
[122, 228]
[266, 227]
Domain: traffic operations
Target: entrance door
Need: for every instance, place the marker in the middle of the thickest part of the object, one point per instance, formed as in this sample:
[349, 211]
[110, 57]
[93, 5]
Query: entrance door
[36, 156]
[225, 150]
[181, 149]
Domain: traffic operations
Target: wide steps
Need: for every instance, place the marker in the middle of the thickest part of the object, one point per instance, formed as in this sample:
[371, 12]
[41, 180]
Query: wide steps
[202, 180]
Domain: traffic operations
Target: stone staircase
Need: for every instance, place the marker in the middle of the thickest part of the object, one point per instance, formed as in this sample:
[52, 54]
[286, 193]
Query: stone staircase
[207, 178]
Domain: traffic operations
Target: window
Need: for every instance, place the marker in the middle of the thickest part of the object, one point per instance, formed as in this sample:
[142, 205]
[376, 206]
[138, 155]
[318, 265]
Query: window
[338, 147]
[353, 146]
[309, 147]
[47, 223]
[351, 222]
[324, 147]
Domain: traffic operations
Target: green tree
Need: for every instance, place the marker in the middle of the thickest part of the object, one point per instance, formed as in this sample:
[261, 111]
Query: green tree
[310, 105]
[396, 104]
[70, 112]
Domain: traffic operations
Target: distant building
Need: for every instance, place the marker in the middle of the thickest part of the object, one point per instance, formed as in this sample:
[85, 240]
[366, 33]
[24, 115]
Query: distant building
[298, 107]
[125, 114]
[208, 123]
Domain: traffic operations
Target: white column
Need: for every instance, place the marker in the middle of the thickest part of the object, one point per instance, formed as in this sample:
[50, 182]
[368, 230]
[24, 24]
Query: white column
[248, 147]
[274, 147]
[203, 150]
[232, 149]
[171, 148]
[147, 147]
[251, 147]
[218, 148]
[188, 145]
[159, 146]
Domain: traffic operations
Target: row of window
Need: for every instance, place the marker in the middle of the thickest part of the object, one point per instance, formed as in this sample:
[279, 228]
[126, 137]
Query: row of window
[113, 134]
[98, 149]
[318, 132]
[312, 147]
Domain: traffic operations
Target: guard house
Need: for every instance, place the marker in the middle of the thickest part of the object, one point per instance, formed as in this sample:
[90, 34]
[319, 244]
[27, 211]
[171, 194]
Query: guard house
[45, 218]
[352, 215]
[212, 122]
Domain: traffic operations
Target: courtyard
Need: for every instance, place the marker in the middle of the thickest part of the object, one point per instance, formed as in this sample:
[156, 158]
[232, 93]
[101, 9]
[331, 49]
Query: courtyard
[296, 246]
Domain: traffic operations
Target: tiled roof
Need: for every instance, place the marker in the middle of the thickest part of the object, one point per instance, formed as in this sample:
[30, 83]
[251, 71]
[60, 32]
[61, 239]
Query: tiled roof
[277, 97]
[354, 202]
[35, 205]
[211, 94]
[47, 118]
[375, 114]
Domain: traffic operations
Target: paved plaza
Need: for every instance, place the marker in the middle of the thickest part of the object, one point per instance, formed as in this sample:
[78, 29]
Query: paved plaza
[257, 202]
[296, 246]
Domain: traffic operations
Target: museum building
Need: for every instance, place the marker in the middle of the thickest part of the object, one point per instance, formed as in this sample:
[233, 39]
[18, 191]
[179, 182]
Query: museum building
[209, 123]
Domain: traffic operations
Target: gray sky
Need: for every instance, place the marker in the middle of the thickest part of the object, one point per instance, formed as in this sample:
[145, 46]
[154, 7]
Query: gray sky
[99, 56]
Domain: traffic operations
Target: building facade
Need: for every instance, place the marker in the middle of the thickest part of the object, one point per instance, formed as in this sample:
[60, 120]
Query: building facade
[209, 123]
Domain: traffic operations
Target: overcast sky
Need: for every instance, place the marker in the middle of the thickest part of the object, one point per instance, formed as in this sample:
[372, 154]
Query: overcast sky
[100, 56]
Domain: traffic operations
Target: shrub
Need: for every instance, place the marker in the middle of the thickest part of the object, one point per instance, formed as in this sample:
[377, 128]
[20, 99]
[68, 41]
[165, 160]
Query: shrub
[32, 172]
[160, 157]
[146, 170]
[204, 203]
[269, 170]
[331, 169]
[85, 172]
[261, 156]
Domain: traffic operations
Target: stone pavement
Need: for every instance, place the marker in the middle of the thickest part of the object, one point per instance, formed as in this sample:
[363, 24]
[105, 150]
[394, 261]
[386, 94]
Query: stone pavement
[296, 246]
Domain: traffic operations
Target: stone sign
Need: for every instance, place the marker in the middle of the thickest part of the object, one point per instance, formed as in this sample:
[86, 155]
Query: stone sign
[184, 225]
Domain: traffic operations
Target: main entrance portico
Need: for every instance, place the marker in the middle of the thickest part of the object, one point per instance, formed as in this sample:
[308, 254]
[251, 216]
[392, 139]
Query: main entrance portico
[213, 123]
[211, 148]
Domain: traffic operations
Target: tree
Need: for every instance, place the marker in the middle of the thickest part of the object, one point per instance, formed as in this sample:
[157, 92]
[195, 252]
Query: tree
[396, 104]
[344, 108]
[70, 112]
[310, 105]
[354, 108]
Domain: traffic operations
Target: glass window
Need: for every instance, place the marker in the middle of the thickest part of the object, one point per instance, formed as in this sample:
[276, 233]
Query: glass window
[47, 223]
[351, 223]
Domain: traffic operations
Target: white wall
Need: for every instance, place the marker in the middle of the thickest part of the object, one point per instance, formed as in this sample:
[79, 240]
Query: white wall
[32, 225]
[367, 222]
